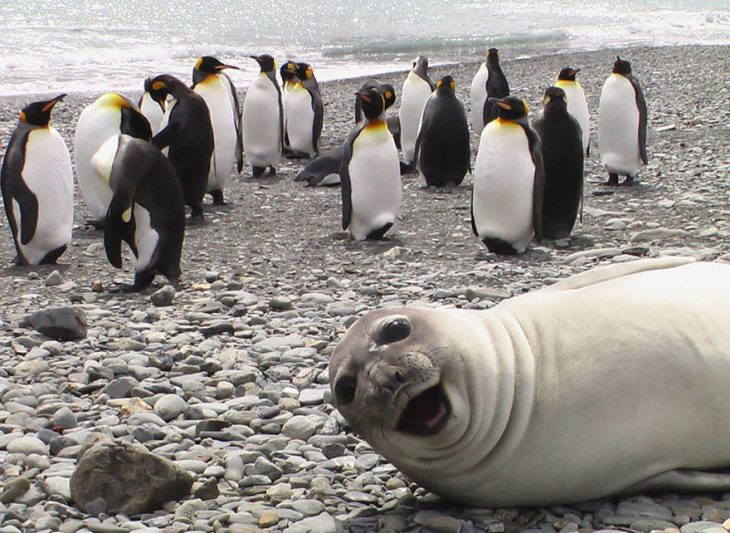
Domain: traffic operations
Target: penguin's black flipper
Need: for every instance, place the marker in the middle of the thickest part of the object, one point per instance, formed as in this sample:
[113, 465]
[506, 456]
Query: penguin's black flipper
[394, 129]
[237, 121]
[539, 184]
[15, 189]
[346, 188]
[471, 212]
[318, 109]
[164, 138]
[643, 118]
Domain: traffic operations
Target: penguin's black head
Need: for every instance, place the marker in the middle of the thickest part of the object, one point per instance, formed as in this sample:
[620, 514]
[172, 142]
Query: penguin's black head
[39, 113]
[511, 108]
[288, 71]
[621, 66]
[210, 65]
[446, 83]
[372, 102]
[493, 56]
[304, 71]
[158, 88]
[555, 95]
[568, 74]
[388, 94]
[266, 62]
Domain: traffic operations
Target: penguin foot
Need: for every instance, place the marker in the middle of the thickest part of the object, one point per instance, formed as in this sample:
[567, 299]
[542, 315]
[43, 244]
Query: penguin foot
[96, 224]
[377, 234]
[51, 257]
[217, 197]
[258, 172]
[499, 246]
[406, 168]
[272, 171]
[612, 180]
[628, 182]
[294, 154]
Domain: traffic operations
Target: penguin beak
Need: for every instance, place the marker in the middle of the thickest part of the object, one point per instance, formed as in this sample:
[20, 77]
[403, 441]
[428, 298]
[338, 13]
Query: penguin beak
[53, 102]
[364, 96]
[574, 71]
[222, 67]
[503, 104]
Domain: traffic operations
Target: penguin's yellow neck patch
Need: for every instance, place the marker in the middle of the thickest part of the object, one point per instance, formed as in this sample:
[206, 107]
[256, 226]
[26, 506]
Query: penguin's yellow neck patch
[377, 129]
[114, 100]
[502, 123]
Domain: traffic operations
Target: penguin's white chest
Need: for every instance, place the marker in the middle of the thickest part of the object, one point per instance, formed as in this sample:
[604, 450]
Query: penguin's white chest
[504, 180]
[300, 120]
[146, 238]
[222, 117]
[96, 124]
[415, 93]
[152, 110]
[47, 172]
[618, 127]
[478, 97]
[262, 123]
[374, 180]
[578, 107]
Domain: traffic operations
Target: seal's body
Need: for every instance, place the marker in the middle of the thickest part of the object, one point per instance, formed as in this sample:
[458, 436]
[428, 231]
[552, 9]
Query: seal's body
[555, 396]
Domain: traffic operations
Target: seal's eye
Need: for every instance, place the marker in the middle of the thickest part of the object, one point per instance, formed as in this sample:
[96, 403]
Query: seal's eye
[345, 390]
[395, 330]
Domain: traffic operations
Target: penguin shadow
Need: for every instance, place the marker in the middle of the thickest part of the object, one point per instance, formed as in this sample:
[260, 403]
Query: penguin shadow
[375, 247]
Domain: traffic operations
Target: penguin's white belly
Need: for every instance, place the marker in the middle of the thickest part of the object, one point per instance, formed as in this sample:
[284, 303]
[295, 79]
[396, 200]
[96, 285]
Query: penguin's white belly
[331, 179]
[375, 183]
[145, 238]
[49, 175]
[578, 107]
[504, 179]
[285, 94]
[165, 120]
[95, 126]
[478, 97]
[415, 93]
[618, 127]
[222, 118]
[261, 124]
[152, 111]
[300, 120]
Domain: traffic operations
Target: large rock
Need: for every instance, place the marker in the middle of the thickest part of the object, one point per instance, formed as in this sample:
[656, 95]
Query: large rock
[125, 478]
[59, 323]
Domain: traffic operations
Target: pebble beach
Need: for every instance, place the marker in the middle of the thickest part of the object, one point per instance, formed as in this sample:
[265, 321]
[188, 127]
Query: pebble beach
[227, 377]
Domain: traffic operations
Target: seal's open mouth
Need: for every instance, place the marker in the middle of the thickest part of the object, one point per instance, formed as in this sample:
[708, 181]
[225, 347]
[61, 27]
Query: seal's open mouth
[425, 414]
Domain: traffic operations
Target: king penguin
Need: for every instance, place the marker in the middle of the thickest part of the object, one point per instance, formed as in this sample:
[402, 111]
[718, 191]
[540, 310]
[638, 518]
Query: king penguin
[219, 93]
[622, 118]
[109, 115]
[442, 154]
[289, 80]
[188, 133]
[488, 81]
[304, 113]
[370, 172]
[324, 170]
[417, 87]
[506, 207]
[263, 119]
[562, 156]
[149, 108]
[577, 105]
[37, 187]
[147, 210]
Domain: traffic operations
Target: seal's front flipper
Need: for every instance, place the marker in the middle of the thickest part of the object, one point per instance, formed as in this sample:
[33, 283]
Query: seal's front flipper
[684, 481]
[601, 274]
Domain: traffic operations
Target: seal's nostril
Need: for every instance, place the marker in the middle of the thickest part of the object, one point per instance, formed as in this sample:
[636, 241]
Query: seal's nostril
[345, 390]
[399, 377]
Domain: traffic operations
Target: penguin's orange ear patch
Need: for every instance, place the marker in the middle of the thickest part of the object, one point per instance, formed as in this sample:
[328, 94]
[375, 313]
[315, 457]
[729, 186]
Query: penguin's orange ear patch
[199, 62]
[22, 117]
[127, 215]
[158, 85]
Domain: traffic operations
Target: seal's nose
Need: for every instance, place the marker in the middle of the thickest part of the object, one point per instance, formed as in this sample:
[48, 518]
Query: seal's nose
[389, 377]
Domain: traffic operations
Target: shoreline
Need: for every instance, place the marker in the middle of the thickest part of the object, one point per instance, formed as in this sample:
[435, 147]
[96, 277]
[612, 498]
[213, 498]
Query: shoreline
[270, 285]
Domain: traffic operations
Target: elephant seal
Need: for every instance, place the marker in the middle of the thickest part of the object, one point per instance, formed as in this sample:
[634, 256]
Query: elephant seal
[613, 381]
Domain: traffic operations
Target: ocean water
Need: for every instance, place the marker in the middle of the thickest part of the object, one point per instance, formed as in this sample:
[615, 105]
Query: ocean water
[92, 46]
